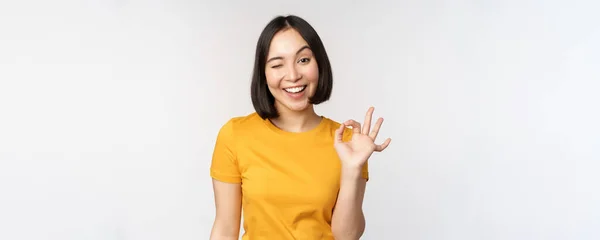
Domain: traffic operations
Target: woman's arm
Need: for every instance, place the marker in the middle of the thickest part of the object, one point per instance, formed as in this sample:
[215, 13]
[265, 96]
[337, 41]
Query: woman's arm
[348, 221]
[228, 203]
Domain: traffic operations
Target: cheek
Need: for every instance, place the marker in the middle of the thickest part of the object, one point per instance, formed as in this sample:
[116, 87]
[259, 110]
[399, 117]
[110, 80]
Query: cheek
[312, 74]
[315, 77]
[272, 78]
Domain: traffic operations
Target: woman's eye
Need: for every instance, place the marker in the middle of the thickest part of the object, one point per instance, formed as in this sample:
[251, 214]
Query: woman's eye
[304, 60]
[276, 66]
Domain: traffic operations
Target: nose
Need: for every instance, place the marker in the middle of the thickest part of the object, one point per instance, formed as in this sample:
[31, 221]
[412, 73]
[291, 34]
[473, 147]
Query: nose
[292, 74]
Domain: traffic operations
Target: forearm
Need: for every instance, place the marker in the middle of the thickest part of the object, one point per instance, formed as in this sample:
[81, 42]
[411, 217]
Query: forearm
[348, 221]
[224, 231]
[219, 237]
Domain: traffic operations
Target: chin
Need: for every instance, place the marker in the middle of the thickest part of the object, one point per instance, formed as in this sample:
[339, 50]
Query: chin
[296, 106]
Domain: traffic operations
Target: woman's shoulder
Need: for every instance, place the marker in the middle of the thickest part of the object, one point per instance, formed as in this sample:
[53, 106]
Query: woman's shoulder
[333, 125]
[237, 126]
[243, 121]
[330, 121]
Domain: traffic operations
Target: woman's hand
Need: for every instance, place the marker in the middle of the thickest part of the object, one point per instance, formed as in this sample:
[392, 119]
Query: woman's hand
[357, 151]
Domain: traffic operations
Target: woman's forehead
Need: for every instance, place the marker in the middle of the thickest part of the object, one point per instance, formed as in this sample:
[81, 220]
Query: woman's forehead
[286, 42]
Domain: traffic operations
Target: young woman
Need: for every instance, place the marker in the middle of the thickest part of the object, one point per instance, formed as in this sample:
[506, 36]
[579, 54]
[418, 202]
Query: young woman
[295, 174]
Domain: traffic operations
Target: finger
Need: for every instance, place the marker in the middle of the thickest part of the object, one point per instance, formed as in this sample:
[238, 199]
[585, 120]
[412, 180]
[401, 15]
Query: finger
[339, 133]
[354, 124]
[383, 146]
[367, 122]
[375, 131]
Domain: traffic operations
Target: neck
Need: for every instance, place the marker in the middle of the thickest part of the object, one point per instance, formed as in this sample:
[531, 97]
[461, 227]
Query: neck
[294, 121]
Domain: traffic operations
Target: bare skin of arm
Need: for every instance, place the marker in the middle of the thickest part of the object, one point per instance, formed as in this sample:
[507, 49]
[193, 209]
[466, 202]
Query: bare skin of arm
[348, 222]
[228, 203]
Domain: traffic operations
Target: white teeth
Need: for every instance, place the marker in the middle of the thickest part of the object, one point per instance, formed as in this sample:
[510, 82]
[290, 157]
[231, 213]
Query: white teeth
[294, 89]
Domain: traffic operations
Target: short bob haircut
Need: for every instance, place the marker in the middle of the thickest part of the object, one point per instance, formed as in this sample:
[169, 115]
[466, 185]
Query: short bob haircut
[262, 99]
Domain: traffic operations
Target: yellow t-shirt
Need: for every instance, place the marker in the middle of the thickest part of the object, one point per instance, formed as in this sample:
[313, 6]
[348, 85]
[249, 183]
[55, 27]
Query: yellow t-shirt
[290, 181]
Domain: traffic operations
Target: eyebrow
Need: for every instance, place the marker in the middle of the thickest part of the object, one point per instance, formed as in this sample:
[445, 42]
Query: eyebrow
[297, 52]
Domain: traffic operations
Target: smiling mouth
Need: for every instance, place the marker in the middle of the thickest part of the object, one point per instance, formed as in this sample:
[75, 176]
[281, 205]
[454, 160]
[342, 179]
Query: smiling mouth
[295, 89]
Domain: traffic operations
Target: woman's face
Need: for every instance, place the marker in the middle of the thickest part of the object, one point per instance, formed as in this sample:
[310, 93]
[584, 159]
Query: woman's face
[291, 70]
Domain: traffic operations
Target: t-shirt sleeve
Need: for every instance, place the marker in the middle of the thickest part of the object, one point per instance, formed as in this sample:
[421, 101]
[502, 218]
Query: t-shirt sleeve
[347, 137]
[224, 165]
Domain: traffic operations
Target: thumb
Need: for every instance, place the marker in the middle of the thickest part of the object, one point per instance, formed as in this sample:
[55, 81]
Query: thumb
[339, 134]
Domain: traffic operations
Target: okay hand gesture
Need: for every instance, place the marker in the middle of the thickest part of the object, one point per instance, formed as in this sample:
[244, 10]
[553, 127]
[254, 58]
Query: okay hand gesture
[358, 150]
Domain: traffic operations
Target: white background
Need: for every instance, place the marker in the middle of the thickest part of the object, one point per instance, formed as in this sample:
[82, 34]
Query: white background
[109, 111]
